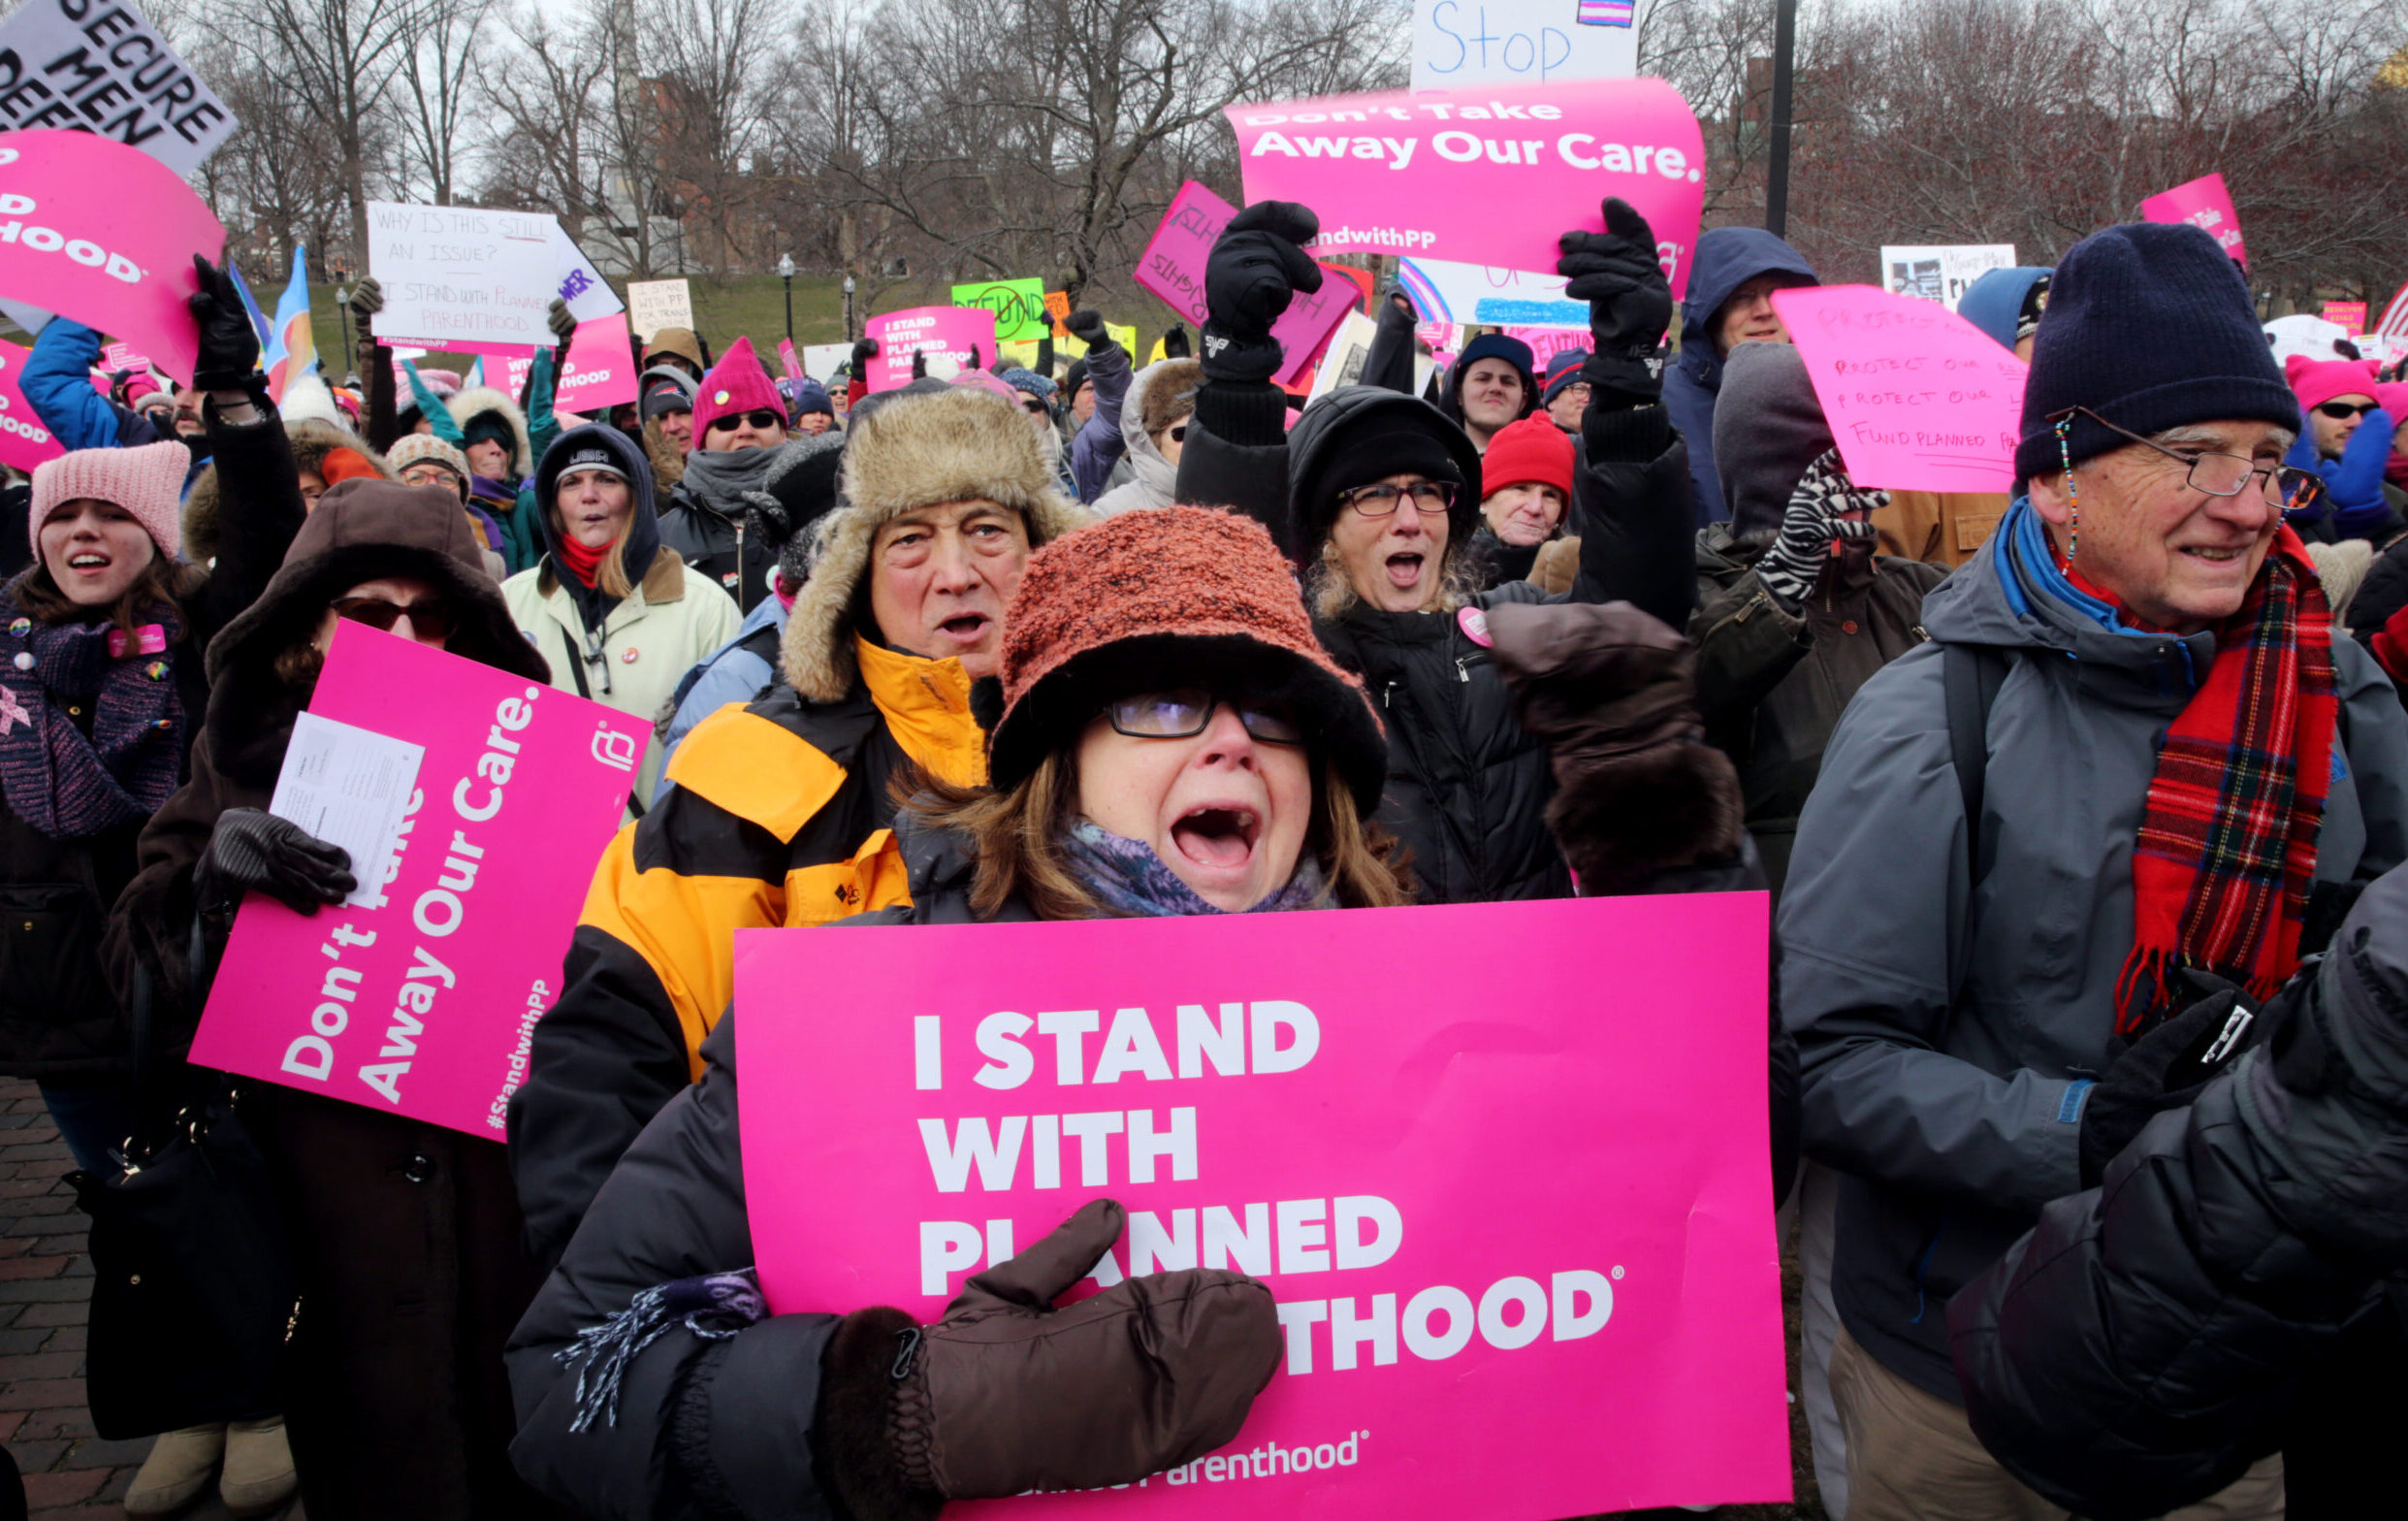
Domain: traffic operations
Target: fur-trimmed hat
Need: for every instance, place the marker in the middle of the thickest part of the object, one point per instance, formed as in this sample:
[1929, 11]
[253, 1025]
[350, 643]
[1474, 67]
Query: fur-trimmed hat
[1169, 393]
[959, 444]
[313, 443]
[481, 408]
[1176, 598]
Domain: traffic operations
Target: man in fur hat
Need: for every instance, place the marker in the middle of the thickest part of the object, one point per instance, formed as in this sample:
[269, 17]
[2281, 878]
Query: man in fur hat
[778, 806]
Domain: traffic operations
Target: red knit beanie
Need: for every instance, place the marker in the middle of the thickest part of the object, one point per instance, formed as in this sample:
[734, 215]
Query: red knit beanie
[2319, 380]
[1532, 451]
[1179, 596]
[735, 385]
[148, 483]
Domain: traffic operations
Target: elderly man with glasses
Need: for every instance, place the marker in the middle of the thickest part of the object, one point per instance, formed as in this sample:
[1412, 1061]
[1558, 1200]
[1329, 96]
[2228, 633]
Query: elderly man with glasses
[2134, 755]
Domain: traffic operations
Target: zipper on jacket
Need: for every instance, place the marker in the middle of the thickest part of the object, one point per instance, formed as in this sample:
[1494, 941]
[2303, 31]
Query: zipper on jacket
[1388, 695]
[1462, 673]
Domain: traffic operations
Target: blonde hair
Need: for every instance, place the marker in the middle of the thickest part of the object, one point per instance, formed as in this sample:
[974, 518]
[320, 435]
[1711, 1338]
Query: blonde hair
[1331, 589]
[1012, 835]
[610, 578]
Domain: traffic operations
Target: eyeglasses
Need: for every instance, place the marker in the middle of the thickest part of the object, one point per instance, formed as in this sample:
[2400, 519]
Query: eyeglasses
[1380, 500]
[2339, 411]
[430, 473]
[2221, 475]
[1178, 435]
[1184, 713]
[429, 619]
[758, 417]
[1035, 406]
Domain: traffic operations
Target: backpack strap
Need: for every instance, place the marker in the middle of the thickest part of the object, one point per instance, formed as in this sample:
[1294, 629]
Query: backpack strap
[1971, 675]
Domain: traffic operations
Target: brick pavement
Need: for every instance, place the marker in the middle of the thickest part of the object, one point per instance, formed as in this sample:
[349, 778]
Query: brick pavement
[45, 1288]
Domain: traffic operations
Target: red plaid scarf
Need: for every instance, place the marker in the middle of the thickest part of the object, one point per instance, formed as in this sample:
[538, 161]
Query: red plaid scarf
[2220, 870]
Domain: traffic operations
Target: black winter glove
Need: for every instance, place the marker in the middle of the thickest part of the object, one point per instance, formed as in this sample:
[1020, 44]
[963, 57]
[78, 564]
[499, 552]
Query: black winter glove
[919, 364]
[2165, 1069]
[229, 353]
[863, 351]
[1086, 325]
[1008, 1394]
[1174, 343]
[561, 320]
[1629, 302]
[1252, 274]
[252, 848]
[368, 298]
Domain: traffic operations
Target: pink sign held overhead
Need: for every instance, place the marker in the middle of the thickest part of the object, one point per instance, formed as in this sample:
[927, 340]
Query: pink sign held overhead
[424, 1003]
[1487, 176]
[105, 234]
[2205, 202]
[1917, 398]
[1517, 1213]
[1172, 266]
[600, 373]
[2349, 314]
[24, 441]
[938, 331]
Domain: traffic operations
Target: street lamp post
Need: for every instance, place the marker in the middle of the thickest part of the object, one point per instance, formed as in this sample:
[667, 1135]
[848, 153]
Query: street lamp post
[786, 273]
[850, 332]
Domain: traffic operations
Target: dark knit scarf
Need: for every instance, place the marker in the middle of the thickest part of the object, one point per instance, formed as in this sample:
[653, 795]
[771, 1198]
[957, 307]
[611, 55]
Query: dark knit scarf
[2226, 850]
[1131, 881]
[59, 779]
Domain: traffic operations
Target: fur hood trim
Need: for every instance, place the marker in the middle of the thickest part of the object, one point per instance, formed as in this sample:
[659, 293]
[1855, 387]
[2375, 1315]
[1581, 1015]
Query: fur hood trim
[312, 441]
[913, 452]
[476, 399]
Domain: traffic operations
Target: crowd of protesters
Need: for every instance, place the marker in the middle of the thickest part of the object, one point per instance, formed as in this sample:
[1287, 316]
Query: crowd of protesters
[2082, 806]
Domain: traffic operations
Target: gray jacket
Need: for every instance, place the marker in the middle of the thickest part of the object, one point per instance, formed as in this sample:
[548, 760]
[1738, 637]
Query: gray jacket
[1945, 1007]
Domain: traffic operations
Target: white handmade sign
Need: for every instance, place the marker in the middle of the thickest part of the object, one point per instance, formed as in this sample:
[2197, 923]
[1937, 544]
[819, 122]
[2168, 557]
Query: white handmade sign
[653, 305]
[1941, 272]
[463, 274]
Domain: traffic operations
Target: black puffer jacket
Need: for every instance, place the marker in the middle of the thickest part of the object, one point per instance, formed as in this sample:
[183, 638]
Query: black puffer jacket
[1467, 786]
[2147, 1340]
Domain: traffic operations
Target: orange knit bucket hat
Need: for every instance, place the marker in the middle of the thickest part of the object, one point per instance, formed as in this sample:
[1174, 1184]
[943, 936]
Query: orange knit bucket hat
[1174, 596]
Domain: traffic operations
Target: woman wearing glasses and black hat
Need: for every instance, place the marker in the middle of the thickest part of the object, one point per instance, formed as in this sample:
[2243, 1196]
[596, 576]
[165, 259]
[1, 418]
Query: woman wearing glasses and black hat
[620, 616]
[406, 1237]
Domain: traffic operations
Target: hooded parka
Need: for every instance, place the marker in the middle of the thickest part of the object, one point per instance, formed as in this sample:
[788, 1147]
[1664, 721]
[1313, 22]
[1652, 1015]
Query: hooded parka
[1728, 258]
[780, 815]
[1952, 988]
[1153, 480]
[631, 650]
[406, 1235]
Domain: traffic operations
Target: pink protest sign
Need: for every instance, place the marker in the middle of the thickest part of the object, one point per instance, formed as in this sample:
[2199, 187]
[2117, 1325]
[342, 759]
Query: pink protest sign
[2350, 314]
[1172, 266]
[25, 442]
[600, 373]
[2205, 202]
[1547, 342]
[424, 1003]
[1516, 1210]
[1481, 174]
[1917, 398]
[938, 331]
[123, 356]
[105, 234]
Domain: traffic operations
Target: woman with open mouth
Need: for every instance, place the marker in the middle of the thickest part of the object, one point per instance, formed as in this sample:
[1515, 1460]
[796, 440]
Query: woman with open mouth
[1172, 742]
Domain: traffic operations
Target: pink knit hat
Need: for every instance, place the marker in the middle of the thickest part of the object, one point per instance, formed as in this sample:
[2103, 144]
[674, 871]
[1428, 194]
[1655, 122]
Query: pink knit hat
[2394, 394]
[148, 483]
[2319, 380]
[736, 384]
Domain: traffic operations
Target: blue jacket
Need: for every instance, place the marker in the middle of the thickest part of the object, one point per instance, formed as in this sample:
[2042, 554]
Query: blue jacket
[1994, 303]
[734, 672]
[1728, 258]
[2353, 483]
[1096, 447]
[58, 380]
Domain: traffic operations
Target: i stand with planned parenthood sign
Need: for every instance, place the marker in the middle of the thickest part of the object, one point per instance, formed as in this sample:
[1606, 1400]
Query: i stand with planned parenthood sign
[1517, 1212]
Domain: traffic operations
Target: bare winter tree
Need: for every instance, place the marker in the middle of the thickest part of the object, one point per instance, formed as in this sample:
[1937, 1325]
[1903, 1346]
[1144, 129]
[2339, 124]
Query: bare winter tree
[433, 111]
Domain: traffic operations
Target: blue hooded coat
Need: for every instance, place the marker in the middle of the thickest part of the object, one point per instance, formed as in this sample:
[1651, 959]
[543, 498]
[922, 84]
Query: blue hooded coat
[1994, 302]
[1728, 258]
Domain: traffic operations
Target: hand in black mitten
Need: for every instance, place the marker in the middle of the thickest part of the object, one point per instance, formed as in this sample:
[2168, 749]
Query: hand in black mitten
[229, 352]
[1616, 272]
[1252, 274]
[919, 364]
[368, 298]
[1086, 325]
[2165, 1069]
[1008, 1394]
[862, 353]
[559, 320]
[251, 849]
[1174, 345]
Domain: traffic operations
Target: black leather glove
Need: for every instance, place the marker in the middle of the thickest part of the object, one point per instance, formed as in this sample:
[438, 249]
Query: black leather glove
[1174, 343]
[368, 298]
[1086, 325]
[254, 850]
[2165, 1069]
[1629, 303]
[1008, 1394]
[1252, 274]
[561, 320]
[863, 351]
[229, 353]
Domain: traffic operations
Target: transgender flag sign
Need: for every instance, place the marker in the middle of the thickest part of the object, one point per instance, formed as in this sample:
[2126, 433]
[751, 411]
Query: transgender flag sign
[1605, 12]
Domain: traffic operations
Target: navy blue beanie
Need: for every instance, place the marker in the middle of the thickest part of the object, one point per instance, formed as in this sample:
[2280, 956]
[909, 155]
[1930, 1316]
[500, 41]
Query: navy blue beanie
[2151, 325]
[1562, 372]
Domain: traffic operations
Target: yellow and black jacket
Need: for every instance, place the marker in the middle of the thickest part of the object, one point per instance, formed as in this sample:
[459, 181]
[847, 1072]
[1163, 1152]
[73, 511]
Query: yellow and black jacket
[780, 815]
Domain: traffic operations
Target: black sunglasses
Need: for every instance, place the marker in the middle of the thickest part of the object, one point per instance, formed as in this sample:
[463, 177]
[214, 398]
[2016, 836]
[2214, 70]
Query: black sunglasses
[1184, 713]
[758, 417]
[429, 619]
[1035, 406]
[2339, 410]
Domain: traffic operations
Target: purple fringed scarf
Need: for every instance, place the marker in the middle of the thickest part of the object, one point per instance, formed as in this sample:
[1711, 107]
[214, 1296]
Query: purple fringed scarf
[58, 779]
